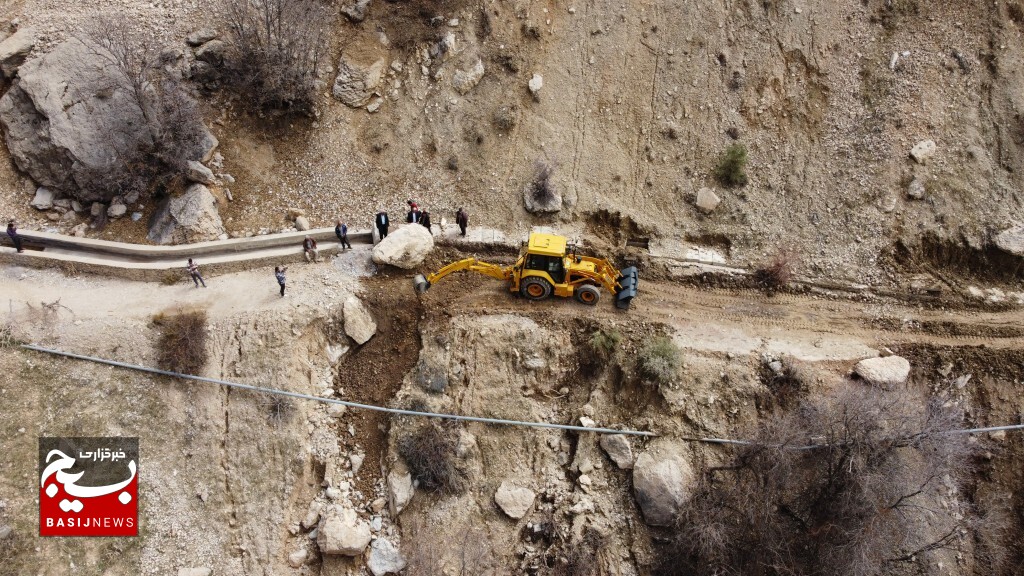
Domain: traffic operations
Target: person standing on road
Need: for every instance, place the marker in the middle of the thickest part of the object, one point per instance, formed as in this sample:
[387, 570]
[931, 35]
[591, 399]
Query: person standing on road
[462, 219]
[341, 231]
[193, 271]
[279, 274]
[12, 232]
[425, 219]
[310, 250]
[382, 222]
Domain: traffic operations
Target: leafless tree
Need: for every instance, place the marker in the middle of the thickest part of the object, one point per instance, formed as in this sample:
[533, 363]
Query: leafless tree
[844, 485]
[171, 124]
[277, 49]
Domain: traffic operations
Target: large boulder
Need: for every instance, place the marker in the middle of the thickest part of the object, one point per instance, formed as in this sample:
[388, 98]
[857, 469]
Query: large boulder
[14, 49]
[514, 500]
[405, 248]
[43, 200]
[359, 75]
[886, 372]
[384, 558]
[196, 172]
[66, 121]
[342, 532]
[191, 217]
[662, 482]
[1011, 240]
[359, 324]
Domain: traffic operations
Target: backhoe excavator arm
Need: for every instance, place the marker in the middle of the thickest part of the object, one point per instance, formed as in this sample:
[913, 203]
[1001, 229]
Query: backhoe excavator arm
[423, 283]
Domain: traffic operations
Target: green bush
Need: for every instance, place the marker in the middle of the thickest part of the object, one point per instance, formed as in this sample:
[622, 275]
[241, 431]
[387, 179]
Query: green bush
[605, 343]
[731, 170]
[659, 361]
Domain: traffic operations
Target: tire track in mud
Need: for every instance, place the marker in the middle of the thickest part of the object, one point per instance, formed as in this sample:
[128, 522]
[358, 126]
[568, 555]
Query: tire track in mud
[681, 305]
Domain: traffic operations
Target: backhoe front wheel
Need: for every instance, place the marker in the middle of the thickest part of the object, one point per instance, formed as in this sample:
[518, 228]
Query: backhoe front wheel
[535, 288]
[587, 294]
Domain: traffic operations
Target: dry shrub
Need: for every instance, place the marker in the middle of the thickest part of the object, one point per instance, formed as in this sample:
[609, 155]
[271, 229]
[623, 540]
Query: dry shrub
[605, 343]
[276, 52]
[279, 409]
[659, 361]
[778, 272]
[878, 489]
[181, 346]
[430, 452]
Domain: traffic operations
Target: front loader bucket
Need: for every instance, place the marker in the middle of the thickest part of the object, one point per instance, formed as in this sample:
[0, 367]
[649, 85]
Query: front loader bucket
[628, 283]
[421, 283]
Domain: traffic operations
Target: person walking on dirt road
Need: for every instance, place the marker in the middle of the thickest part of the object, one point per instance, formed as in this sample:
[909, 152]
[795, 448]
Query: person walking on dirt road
[193, 271]
[382, 223]
[310, 250]
[341, 231]
[279, 274]
[462, 219]
[12, 232]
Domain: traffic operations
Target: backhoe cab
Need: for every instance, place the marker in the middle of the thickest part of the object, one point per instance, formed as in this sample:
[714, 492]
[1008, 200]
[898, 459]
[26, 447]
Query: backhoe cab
[550, 266]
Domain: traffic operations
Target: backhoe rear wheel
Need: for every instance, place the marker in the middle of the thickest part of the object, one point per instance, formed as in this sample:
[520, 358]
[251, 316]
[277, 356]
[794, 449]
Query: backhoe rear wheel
[587, 294]
[535, 288]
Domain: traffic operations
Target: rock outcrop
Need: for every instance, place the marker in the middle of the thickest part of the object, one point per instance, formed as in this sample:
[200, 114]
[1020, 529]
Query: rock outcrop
[65, 121]
[191, 217]
[662, 482]
[404, 248]
[358, 78]
[1011, 240]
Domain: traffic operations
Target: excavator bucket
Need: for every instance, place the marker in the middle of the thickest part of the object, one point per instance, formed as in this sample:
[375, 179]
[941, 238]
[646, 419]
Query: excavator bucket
[627, 287]
[421, 283]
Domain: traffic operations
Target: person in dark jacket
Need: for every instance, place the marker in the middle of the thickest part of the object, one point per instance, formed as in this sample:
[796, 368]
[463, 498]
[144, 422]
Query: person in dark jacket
[12, 232]
[413, 216]
[281, 279]
[310, 250]
[425, 219]
[382, 223]
[341, 231]
[462, 219]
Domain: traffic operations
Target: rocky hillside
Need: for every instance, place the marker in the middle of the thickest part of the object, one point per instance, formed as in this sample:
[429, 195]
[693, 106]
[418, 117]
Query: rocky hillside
[625, 110]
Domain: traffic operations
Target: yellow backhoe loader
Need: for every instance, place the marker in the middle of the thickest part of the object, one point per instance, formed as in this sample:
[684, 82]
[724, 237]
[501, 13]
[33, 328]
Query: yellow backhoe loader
[549, 265]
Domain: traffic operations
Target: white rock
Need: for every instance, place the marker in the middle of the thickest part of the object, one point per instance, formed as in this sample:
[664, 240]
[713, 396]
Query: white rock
[707, 200]
[79, 230]
[404, 248]
[191, 217]
[14, 49]
[1011, 240]
[356, 461]
[194, 571]
[117, 210]
[43, 200]
[535, 84]
[513, 500]
[886, 372]
[384, 558]
[301, 223]
[400, 490]
[916, 189]
[359, 324]
[662, 482]
[298, 558]
[342, 532]
[618, 449]
[922, 151]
